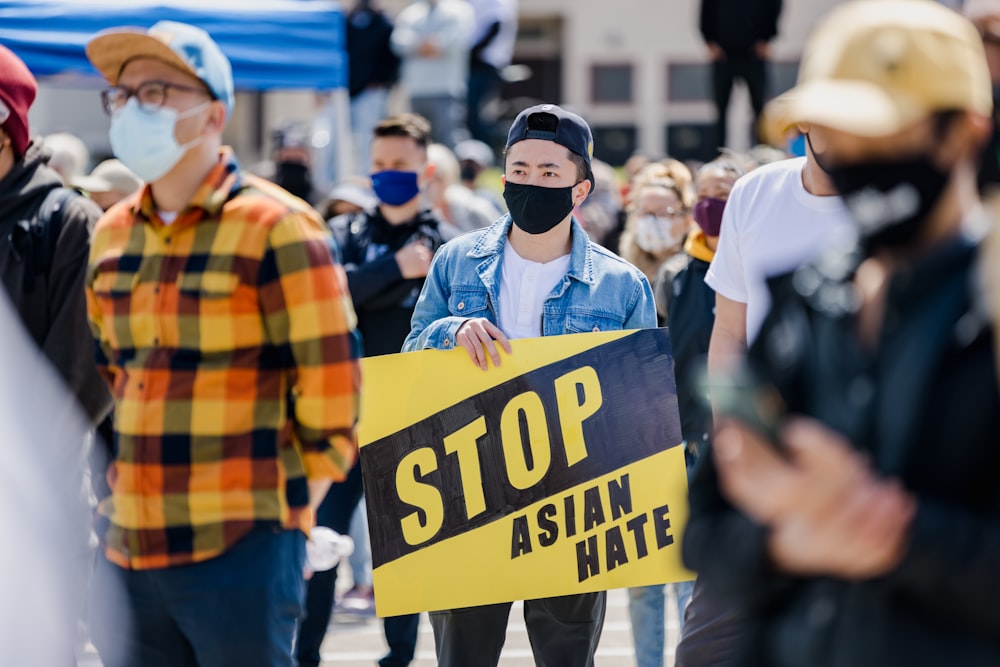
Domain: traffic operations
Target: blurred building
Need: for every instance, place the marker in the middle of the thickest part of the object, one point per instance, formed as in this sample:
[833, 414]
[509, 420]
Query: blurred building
[637, 70]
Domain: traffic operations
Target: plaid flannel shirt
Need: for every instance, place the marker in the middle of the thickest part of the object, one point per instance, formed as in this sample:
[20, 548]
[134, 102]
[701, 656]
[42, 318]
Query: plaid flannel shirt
[228, 340]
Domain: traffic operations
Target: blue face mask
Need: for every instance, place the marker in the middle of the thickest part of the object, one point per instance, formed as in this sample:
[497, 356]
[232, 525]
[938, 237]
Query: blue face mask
[144, 140]
[395, 188]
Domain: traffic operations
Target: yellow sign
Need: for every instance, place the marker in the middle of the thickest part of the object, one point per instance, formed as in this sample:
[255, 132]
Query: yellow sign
[558, 472]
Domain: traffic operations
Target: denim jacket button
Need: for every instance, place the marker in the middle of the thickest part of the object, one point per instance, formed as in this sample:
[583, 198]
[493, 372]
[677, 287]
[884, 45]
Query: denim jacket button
[596, 328]
[461, 305]
[447, 342]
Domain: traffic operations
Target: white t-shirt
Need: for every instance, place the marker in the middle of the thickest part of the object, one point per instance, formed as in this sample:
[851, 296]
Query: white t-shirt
[524, 286]
[771, 226]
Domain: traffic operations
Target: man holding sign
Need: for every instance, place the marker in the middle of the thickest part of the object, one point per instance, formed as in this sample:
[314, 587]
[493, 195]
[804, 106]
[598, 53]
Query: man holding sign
[533, 273]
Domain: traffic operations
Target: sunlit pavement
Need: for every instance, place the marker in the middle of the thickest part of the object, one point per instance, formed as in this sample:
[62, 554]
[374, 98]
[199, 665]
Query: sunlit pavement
[357, 644]
[352, 642]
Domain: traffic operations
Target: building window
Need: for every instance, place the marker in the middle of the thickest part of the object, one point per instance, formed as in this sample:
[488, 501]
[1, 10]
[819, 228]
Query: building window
[611, 84]
[689, 82]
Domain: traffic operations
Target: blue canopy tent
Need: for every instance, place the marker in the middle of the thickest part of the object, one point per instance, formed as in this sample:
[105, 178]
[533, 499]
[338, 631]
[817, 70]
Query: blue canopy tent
[272, 44]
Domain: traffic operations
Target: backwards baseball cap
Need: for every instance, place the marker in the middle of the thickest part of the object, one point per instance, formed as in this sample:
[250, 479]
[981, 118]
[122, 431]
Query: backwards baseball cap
[182, 46]
[874, 67]
[17, 92]
[550, 123]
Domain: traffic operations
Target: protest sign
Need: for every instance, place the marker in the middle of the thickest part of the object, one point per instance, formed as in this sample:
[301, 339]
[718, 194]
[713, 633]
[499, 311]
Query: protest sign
[560, 471]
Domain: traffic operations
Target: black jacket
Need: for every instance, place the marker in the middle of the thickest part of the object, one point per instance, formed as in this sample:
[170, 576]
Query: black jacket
[383, 299]
[50, 300]
[736, 25]
[690, 306]
[926, 408]
[370, 59]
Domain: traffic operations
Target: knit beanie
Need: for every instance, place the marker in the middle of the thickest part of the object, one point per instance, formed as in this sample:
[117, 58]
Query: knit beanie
[17, 90]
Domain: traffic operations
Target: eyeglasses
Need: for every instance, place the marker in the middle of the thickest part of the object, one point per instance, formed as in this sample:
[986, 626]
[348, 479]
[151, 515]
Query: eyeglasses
[151, 95]
[4, 112]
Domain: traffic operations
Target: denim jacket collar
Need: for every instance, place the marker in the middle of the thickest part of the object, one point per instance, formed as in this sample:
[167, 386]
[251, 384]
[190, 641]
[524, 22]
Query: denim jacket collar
[581, 260]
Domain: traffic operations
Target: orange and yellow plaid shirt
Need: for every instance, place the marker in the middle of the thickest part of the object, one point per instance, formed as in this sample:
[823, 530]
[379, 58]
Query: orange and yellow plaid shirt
[228, 340]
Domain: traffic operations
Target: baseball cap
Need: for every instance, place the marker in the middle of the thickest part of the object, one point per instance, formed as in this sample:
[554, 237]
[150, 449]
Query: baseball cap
[185, 47]
[550, 123]
[17, 92]
[109, 176]
[874, 67]
[474, 150]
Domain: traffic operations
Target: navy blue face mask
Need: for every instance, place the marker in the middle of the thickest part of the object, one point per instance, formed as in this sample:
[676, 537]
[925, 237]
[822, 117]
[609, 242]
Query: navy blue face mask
[395, 188]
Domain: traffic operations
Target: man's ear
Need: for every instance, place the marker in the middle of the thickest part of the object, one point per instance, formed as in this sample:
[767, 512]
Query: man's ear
[503, 180]
[580, 191]
[216, 117]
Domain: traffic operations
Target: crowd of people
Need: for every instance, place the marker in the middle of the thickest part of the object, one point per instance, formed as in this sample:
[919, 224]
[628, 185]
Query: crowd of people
[209, 323]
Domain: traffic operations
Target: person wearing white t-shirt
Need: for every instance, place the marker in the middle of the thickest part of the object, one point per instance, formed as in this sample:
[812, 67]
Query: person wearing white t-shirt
[532, 273]
[778, 217]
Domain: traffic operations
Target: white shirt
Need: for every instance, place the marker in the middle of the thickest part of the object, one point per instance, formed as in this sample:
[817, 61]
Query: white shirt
[772, 225]
[524, 286]
[446, 23]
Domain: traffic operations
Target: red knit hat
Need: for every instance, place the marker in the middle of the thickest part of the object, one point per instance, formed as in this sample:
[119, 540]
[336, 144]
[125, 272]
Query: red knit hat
[17, 90]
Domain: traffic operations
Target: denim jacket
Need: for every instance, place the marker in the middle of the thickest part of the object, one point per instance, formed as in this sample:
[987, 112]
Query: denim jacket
[600, 292]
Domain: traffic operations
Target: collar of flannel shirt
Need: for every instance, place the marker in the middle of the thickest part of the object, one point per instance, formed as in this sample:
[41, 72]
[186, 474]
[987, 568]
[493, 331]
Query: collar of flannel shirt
[217, 188]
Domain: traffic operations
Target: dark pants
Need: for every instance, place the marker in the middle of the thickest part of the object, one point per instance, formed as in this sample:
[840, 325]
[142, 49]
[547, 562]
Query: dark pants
[713, 634]
[484, 85]
[563, 631]
[400, 631]
[239, 609]
[753, 71]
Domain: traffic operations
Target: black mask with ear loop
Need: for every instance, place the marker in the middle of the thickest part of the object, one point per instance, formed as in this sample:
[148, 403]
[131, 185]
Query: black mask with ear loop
[535, 209]
[889, 198]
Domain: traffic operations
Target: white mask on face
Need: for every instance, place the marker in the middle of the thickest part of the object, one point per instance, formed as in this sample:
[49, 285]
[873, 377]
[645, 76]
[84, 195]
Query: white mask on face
[656, 235]
[144, 140]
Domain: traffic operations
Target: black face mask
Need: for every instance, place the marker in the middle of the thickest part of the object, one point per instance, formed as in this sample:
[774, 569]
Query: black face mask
[535, 209]
[891, 199]
[294, 177]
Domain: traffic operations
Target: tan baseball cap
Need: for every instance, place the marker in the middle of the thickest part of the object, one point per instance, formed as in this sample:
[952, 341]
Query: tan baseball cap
[184, 47]
[874, 67]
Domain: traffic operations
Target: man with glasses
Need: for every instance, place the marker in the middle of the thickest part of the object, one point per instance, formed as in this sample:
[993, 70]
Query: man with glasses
[225, 328]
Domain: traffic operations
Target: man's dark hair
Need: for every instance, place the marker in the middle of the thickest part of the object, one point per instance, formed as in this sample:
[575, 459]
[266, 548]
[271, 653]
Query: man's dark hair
[410, 125]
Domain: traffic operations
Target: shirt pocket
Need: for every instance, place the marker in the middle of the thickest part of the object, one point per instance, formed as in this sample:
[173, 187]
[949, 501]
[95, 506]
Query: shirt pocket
[113, 292]
[585, 322]
[468, 303]
[208, 294]
[209, 285]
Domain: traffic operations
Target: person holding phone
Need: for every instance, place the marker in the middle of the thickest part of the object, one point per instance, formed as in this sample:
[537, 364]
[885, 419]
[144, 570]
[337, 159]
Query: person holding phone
[867, 531]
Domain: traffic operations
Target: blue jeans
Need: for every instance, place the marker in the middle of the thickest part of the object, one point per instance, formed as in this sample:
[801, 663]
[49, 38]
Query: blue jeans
[240, 609]
[647, 611]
